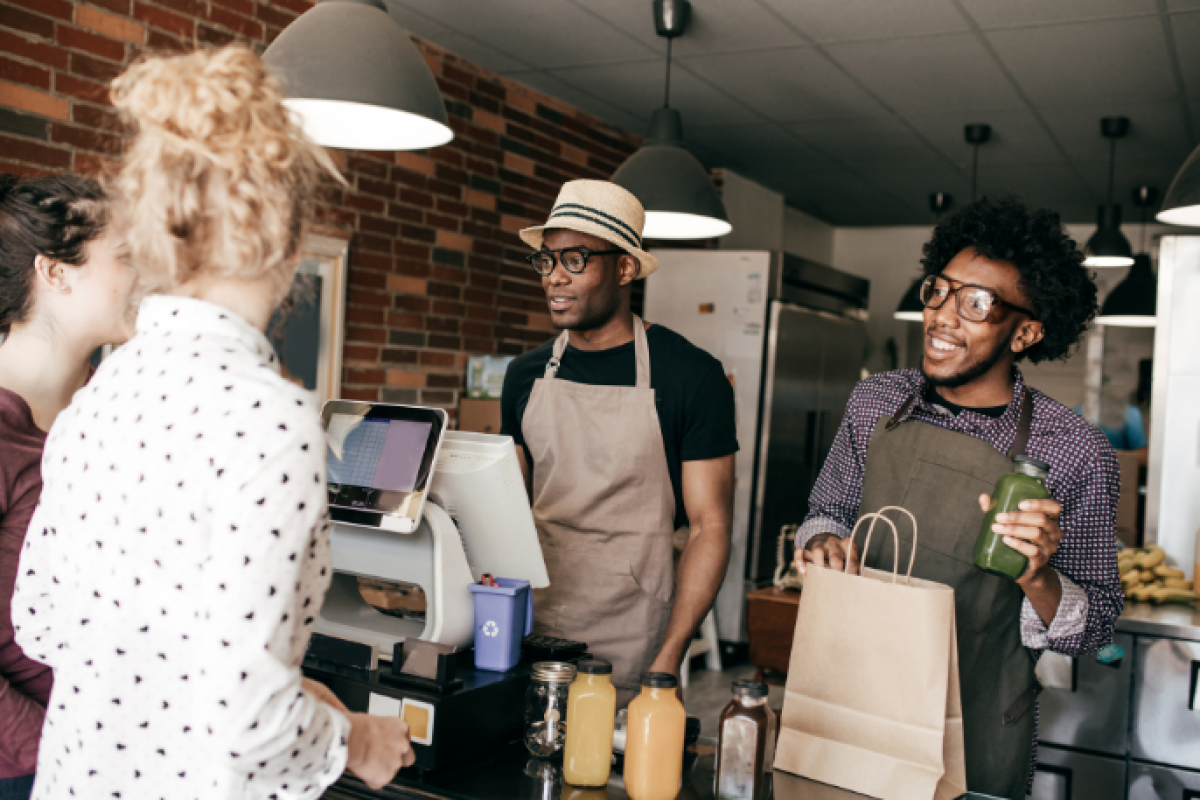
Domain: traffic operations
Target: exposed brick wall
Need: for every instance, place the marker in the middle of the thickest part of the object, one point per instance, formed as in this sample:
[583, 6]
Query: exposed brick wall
[436, 270]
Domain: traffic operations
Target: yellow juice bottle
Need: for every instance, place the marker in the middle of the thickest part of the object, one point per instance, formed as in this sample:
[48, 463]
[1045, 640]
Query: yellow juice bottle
[591, 709]
[654, 740]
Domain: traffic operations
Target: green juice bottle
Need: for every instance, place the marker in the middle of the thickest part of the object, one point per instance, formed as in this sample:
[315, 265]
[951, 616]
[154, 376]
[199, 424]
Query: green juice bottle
[1027, 481]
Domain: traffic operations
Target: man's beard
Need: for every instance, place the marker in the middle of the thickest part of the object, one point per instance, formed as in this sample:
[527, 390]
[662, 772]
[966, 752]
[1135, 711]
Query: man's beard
[971, 372]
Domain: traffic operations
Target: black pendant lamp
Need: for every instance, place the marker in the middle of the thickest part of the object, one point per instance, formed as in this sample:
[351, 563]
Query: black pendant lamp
[671, 184]
[1108, 247]
[911, 308]
[1133, 303]
[1181, 206]
[356, 80]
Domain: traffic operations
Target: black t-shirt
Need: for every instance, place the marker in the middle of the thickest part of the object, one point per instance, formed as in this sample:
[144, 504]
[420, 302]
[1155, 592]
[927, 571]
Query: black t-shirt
[694, 398]
[935, 397]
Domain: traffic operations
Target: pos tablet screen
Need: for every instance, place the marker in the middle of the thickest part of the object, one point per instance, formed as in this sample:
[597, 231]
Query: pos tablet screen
[380, 458]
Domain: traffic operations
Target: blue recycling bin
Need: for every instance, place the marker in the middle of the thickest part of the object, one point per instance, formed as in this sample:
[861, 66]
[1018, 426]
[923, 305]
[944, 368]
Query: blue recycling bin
[503, 617]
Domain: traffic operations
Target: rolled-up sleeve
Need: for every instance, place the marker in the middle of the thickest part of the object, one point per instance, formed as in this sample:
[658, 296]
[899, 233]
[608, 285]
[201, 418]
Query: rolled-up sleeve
[1086, 560]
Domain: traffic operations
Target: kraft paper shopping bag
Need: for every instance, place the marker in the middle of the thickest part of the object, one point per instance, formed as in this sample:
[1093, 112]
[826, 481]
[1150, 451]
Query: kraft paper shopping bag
[872, 702]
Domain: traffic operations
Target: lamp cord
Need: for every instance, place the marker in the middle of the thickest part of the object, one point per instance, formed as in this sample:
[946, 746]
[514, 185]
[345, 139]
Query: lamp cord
[1112, 167]
[974, 172]
[667, 90]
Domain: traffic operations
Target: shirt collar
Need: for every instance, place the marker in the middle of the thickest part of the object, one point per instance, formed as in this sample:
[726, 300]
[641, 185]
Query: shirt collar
[174, 316]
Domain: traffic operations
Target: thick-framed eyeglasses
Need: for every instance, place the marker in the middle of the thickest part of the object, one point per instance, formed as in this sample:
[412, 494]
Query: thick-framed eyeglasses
[973, 303]
[573, 259]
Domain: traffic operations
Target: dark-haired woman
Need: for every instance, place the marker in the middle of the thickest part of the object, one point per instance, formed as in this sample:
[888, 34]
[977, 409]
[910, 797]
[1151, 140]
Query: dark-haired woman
[64, 291]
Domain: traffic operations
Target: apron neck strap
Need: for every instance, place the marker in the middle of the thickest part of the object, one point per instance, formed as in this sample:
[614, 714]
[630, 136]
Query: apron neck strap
[641, 353]
[1024, 421]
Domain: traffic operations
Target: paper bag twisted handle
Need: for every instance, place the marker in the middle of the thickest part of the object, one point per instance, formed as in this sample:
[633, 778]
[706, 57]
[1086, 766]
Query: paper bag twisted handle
[875, 517]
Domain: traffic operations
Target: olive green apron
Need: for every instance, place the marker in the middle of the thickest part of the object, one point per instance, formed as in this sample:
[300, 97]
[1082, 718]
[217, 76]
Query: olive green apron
[938, 475]
[604, 507]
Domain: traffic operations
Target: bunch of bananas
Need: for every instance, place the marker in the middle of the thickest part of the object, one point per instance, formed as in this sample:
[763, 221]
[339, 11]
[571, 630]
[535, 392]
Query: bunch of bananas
[1146, 578]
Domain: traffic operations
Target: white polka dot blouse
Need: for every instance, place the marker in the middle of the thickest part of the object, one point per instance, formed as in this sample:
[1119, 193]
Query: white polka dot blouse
[173, 571]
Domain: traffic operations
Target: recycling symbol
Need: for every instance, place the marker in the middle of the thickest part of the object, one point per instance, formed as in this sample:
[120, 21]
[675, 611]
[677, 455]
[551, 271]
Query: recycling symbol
[491, 629]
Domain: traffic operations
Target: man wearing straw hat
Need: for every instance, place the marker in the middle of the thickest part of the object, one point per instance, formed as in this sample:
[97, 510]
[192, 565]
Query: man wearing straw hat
[627, 433]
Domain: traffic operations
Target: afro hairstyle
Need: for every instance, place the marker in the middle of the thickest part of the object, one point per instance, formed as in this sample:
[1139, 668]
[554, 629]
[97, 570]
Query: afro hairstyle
[1052, 277]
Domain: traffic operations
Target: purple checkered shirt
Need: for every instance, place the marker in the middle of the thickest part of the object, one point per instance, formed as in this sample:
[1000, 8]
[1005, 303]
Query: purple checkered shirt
[1084, 478]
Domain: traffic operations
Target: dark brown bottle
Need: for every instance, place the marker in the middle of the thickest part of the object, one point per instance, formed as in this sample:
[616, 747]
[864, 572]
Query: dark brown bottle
[745, 743]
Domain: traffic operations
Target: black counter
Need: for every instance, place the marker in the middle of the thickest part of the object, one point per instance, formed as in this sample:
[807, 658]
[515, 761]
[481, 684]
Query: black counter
[516, 776]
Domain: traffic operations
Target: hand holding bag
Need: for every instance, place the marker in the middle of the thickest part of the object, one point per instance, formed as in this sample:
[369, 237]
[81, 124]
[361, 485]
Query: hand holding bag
[872, 702]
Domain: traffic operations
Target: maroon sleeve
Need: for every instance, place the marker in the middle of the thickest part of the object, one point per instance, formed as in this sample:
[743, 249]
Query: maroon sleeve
[21, 713]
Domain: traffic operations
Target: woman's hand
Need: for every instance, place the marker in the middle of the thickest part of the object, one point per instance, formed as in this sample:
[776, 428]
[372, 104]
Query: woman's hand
[379, 747]
[323, 693]
[827, 549]
[1032, 531]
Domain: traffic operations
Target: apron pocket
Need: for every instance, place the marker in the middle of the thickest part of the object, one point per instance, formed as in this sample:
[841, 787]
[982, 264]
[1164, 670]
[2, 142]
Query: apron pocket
[935, 491]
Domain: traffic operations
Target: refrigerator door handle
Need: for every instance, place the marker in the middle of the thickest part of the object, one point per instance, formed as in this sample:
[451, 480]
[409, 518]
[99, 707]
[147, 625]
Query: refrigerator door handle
[1194, 688]
[1066, 773]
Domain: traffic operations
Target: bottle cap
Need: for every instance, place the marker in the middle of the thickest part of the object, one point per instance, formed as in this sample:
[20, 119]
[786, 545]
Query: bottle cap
[1033, 462]
[553, 672]
[749, 689]
[594, 666]
[659, 680]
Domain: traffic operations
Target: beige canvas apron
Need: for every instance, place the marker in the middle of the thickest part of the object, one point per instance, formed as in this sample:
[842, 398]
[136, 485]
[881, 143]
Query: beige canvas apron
[605, 511]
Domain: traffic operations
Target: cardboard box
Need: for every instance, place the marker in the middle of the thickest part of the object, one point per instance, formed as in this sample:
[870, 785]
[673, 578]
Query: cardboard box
[1127, 505]
[479, 416]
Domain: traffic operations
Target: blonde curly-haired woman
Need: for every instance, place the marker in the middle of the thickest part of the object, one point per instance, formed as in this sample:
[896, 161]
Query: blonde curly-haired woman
[179, 556]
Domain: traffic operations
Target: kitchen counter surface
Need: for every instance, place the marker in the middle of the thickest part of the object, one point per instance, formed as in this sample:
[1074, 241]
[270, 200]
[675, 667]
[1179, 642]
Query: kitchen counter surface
[517, 776]
[1171, 621]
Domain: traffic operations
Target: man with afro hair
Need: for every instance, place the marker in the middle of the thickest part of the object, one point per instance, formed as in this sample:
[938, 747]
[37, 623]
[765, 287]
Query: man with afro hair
[1003, 283]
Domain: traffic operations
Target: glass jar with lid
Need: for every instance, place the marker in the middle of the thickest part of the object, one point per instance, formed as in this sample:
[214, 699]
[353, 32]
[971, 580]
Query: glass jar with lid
[546, 707]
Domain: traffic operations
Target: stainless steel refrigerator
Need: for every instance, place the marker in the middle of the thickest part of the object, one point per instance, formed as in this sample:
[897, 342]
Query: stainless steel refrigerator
[791, 335]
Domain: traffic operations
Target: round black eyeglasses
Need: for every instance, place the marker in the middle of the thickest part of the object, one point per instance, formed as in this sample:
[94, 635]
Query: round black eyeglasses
[573, 259]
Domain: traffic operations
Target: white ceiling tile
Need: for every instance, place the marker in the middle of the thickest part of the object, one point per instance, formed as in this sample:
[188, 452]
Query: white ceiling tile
[1017, 137]
[929, 74]
[1183, 5]
[787, 84]
[1156, 130]
[760, 148]
[637, 88]
[868, 143]
[840, 20]
[715, 27]
[538, 33]
[989, 13]
[1090, 62]
[473, 50]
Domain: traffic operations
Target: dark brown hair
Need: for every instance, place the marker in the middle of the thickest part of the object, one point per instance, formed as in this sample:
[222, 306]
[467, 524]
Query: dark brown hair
[54, 217]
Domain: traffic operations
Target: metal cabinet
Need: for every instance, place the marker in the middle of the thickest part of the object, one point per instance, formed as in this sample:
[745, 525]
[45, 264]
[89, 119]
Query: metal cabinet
[1091, 710]
[1166, 726]
[1149, 782]
[1064, 775]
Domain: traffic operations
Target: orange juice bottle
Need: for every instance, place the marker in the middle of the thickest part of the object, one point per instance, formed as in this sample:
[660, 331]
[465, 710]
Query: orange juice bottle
[591, 709]
[654, 740]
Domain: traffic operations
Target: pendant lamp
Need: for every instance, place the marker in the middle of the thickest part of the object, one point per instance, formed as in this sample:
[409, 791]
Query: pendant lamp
[1181, 206]
[671, 184]
[1108, 247]
[356, 80]
[1133, 303]
[911, 308]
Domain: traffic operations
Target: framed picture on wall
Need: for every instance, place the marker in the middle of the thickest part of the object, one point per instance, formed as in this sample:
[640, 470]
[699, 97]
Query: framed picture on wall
[308, 329]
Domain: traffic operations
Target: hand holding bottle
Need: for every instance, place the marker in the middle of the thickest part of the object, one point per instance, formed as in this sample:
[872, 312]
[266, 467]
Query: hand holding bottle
[1032, 531]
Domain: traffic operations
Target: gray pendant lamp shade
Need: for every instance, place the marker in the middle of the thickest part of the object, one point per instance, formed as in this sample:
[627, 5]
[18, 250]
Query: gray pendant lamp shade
[911, 308]
[356, 80]
[1181, 206]
[1134, 301]
[676, 190]
[1108, 247]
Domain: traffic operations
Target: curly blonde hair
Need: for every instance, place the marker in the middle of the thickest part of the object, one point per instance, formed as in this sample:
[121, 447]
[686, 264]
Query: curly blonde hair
[218, 181]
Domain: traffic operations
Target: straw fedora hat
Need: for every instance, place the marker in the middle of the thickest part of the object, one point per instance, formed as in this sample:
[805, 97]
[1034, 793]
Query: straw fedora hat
[601, 209]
